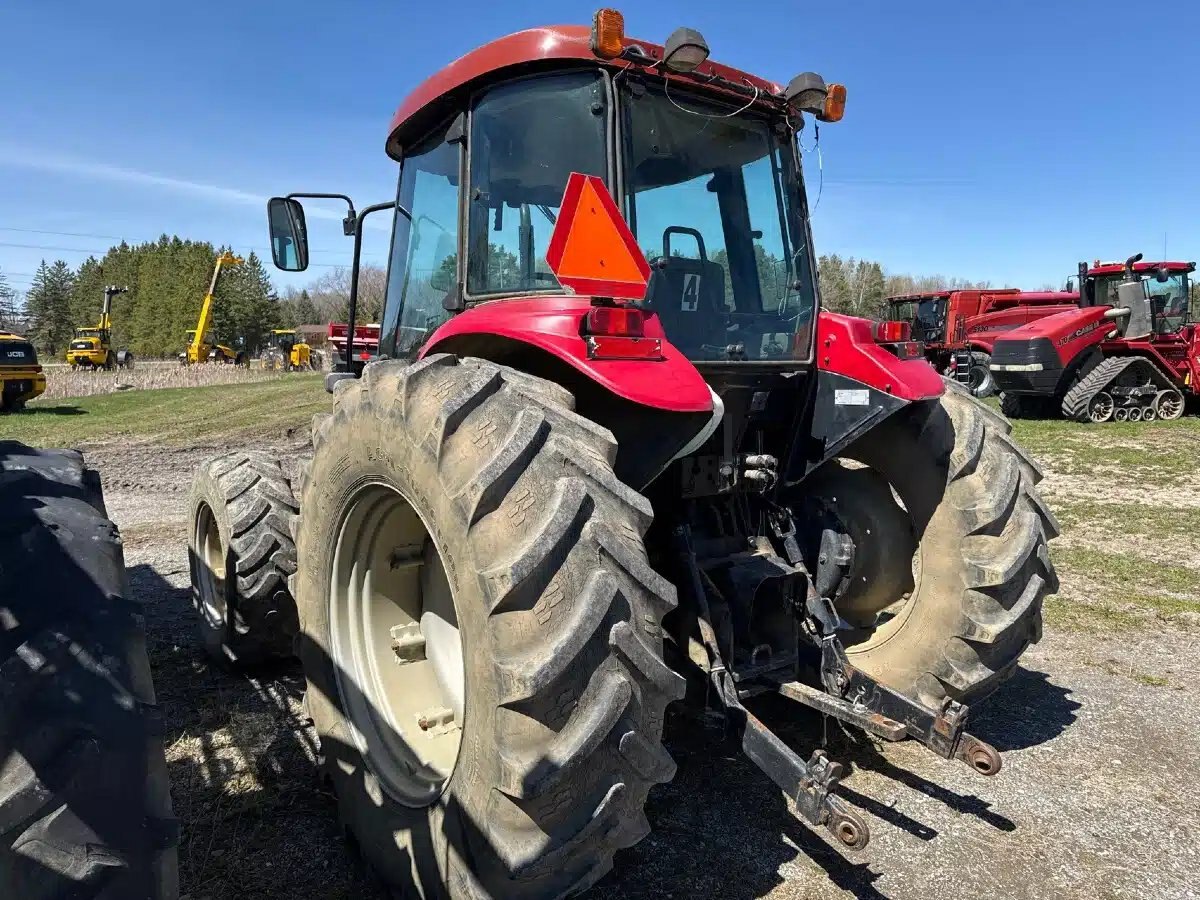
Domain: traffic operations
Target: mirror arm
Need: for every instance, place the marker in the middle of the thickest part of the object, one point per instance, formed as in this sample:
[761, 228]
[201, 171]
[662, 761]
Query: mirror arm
[357, 232]
[348, 223]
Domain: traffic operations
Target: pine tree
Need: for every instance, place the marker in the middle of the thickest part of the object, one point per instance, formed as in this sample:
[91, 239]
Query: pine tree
[10, 309]
[37, 306]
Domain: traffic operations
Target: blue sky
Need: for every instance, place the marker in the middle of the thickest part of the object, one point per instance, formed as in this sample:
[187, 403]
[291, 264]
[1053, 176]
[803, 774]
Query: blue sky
[1001, 141]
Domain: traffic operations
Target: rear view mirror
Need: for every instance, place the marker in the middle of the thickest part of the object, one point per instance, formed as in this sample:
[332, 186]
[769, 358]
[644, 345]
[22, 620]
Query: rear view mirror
[289, 236]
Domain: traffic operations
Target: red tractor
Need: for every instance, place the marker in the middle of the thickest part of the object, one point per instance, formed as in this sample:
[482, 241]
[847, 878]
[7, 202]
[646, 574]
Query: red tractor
[575, 479]
[959, 328]
[1129, 353]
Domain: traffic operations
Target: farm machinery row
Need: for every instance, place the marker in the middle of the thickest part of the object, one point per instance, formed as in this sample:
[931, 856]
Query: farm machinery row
[1129, 352]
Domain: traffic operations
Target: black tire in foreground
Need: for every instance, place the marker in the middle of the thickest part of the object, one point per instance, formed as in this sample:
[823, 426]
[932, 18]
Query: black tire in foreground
[241, 554]
[481, 631]
[85, 809]
[955, 624]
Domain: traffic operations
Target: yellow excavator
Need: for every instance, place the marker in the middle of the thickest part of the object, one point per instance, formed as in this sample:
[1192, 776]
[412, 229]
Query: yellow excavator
[287, 352]
[202, 346]
[92, 347]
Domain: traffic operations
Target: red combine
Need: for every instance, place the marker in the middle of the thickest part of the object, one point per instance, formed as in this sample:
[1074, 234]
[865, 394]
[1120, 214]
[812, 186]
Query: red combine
[366, 345]
[576, 478]
[1130, 352]
[959, 327]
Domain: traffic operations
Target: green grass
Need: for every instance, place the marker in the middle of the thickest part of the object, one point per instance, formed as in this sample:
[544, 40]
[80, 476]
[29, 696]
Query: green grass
[1169, 524]
[1156, 449]
[173, 416]
[1129, 573]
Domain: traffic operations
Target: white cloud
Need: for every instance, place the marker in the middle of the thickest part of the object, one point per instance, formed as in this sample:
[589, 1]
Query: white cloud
[86, 169]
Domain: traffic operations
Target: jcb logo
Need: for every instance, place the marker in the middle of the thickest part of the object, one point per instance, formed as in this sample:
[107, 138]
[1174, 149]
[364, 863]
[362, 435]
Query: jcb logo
[691, 293]
[16, 354]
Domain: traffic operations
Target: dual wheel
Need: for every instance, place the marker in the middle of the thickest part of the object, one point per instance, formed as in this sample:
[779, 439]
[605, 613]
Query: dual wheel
[481, 629]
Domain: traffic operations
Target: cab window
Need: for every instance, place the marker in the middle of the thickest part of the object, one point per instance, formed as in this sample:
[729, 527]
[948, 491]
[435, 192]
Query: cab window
[423, 268]
[526, 138]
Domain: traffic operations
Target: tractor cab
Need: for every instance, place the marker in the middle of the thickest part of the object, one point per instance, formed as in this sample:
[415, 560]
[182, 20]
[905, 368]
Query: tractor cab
[283, 340]
[1166, 286]
[89, 338]
[702, 161]
[926, 313]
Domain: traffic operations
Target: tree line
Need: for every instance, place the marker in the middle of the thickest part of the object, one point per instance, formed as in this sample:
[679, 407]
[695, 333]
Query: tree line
[167, 280]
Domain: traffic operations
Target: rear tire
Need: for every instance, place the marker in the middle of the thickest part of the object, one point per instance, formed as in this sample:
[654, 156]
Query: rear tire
[513, 507]
[85, 807]
[241, 505]
[982, 564]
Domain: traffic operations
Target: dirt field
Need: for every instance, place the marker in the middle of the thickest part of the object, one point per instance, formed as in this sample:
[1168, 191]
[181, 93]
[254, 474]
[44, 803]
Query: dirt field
[1099, 797]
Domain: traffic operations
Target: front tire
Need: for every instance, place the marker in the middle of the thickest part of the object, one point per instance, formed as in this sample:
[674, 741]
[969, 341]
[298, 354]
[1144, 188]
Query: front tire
[241, 554]
[462, 490]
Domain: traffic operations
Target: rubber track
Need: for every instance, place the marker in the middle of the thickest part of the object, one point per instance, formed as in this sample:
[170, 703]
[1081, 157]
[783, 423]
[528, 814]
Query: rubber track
[1079, 398]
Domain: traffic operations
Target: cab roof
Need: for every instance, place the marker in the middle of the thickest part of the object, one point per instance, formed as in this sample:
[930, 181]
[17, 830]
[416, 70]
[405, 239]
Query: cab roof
[1116, 268]
[515, 54]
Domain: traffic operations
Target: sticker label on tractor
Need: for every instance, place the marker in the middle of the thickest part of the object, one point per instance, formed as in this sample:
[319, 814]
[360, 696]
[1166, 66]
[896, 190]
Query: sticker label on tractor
[691, 293]
[855, 397]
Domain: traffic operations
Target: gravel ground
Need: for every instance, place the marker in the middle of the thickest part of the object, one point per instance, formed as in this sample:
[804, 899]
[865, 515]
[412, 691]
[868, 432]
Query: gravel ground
[1099, 797]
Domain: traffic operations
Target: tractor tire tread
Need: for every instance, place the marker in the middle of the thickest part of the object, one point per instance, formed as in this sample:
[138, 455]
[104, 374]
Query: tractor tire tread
[258, 508]
[85, 809]
[580, 686]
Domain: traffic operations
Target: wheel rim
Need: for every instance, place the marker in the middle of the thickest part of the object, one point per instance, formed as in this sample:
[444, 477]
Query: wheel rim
[395, 645]
[1169, 405]
[1149, 414]
[1121, 415]
[214, 603]
[886, 573]
[1101, 408]
[1135, 414]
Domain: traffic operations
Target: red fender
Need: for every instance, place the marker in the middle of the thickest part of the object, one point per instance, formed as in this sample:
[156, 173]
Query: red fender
[554, 325]
[846, 345]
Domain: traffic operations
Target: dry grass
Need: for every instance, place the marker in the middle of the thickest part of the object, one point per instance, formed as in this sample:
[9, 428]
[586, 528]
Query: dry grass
[62, 382]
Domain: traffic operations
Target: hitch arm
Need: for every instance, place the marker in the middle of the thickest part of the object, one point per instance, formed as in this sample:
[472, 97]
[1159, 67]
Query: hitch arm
[809, 784]
[855, 697]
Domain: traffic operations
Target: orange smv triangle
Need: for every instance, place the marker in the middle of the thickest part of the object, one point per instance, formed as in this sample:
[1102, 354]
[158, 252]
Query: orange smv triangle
[592, 250]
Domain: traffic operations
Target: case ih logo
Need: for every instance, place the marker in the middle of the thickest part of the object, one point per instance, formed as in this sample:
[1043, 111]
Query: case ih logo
[1078, 333]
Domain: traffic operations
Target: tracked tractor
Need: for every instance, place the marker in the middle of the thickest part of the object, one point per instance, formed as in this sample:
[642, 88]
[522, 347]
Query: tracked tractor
[1131, 352]
[577, 480]
[202, 345]
[959, 328]
[287, 353]
[92, 347]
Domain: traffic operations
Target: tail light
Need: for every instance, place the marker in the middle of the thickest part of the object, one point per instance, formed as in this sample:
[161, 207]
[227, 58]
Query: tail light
[618, 332]
[892, 332]
[616, 321]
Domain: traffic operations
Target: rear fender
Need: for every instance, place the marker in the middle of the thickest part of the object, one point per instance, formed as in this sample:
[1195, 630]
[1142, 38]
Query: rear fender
[846, 346]
[858, 385]
[654, 408]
